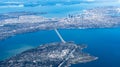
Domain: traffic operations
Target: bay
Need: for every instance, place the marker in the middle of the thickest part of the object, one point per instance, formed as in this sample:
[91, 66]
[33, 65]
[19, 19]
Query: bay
[103, 43]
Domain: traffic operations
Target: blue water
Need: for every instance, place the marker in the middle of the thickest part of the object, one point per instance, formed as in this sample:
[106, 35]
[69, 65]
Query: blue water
[103, 43]
[54, 8]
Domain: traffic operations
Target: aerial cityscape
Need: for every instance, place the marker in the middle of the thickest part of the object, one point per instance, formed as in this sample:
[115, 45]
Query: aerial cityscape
[54, 33]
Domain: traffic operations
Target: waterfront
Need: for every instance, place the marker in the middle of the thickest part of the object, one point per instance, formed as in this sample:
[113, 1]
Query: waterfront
[103, 43]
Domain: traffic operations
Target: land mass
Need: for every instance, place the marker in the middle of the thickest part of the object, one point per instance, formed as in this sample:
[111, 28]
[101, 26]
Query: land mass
[22, 22]
[55, 54]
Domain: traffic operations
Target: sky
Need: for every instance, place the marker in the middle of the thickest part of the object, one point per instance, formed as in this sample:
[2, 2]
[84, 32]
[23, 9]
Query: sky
[61, 0]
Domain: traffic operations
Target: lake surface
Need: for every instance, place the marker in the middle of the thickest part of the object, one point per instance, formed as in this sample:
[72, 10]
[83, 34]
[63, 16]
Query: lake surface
[53, 8]
[103, 43]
